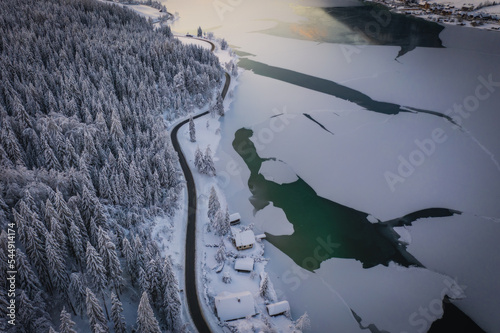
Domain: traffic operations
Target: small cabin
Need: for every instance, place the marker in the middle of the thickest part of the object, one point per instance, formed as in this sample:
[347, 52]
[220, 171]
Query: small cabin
[278, 308]
[244, 240]
[234, 219]
[232, 306]
[244, 264]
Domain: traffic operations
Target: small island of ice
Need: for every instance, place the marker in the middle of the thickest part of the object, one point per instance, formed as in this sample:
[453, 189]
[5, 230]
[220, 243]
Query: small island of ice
[278, 172]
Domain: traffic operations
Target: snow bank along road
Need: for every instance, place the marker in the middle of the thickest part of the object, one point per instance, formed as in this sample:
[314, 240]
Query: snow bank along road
[190, 269]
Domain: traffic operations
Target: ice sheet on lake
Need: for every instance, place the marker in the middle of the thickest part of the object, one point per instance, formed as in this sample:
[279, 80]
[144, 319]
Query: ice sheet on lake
[273, 220]
[278, 172]
[465, 247]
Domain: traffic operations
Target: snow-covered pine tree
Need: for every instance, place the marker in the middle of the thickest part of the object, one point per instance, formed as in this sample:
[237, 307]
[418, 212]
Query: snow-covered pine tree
[143, 280]
[223, 44]
[56, 264]
[107, 251]
[200, 32]
[217, 223]
[95, 269]
[67, 325]
[171, 301]
[303, 323]
[208, 166]
[77, 291]
[213, 204]
[59, 236]
[154, 276]
[222, 222]
[264, 286]
[128, 253]
[116, 315]
[172, 308]
[76, 243]
[27, 277]
[220, 255]
[192, 130]
[31, 315]
[198, 159]
[146, 320]
[219, 105]
[95, 313]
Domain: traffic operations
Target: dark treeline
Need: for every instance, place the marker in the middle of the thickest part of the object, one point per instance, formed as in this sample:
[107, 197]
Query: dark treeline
[86, 161]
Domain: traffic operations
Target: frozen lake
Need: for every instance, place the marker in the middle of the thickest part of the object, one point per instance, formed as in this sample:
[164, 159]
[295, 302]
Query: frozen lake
[379, 116]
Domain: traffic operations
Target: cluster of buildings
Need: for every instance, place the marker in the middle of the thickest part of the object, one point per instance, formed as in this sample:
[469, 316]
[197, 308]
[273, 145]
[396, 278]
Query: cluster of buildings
[238, 305]
[446, 13]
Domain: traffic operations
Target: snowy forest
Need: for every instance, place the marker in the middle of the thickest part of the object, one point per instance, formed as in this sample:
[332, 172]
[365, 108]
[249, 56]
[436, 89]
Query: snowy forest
[86, 162]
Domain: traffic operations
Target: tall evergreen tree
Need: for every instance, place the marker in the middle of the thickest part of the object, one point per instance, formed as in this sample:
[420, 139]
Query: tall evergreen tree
[146, 320]
[56, 263]
[27, 278]
[208, 167]
[192, 130]
[198, 159]
[116, 315]
[67, 325]
[213, 204]
[77, 289]
[96, 271]
[95, 313]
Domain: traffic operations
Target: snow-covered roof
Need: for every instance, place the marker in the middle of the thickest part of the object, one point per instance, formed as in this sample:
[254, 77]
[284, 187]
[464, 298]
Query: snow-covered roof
[244, 238]
[260, 236]
[232, 306]
[278, 308]
[244, 264]
[234, 217]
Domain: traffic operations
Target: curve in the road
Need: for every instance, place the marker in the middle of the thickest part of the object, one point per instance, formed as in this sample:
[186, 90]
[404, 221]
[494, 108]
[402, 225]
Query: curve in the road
[190, 262]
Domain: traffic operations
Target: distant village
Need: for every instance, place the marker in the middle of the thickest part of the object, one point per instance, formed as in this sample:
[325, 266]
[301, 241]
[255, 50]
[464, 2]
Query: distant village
[464, 15]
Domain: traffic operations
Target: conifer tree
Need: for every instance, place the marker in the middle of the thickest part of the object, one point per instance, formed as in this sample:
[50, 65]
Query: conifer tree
[192, 130]
[146, 320]
[27, 277]
[56, 263]
[208, 166]
[95, 313]
[77, 290]
[67, 325]
[213, 204]
[116, 315]
[96, 271]
[198, 159]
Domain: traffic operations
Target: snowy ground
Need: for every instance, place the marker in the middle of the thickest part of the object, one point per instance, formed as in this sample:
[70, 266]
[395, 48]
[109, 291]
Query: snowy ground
[210, 272]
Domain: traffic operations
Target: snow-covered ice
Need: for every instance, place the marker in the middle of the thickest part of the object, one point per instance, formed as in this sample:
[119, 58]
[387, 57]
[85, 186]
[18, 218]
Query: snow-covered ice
[273, 220]
[278, 172]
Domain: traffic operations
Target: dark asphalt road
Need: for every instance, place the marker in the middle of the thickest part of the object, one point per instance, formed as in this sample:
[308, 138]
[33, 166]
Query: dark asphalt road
[190, 269]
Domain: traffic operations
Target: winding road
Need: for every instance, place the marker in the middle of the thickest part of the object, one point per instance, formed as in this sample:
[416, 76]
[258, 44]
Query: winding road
[190, 270]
